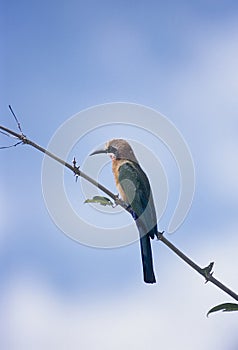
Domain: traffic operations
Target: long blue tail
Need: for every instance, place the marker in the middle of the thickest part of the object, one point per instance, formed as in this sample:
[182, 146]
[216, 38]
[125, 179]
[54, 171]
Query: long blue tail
[147, 262]
[145, 247]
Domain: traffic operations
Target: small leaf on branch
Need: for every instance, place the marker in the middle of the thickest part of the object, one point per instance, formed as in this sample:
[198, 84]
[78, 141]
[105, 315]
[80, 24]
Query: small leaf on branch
[100, 200]
[226, 307]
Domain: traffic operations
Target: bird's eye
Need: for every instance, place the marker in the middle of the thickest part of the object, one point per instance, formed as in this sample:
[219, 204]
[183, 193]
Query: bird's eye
[112, 149]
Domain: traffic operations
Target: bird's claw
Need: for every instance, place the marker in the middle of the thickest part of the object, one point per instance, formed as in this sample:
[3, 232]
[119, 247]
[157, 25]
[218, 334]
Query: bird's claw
[119, 201]
[116, 200]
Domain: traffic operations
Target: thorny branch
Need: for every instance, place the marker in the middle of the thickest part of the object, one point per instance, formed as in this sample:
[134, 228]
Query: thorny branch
[205, 272]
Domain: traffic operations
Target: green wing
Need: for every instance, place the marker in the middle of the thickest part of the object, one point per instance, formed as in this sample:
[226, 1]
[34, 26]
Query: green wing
[135, 184]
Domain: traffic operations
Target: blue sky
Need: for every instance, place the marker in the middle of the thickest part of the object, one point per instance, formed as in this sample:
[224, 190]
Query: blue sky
[178, 57]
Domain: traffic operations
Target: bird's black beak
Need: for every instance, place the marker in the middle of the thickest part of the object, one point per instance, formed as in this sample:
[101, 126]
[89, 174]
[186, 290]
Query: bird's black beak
[98, 152]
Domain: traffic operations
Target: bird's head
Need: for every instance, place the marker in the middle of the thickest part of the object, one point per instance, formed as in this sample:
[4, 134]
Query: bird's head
[118, 149]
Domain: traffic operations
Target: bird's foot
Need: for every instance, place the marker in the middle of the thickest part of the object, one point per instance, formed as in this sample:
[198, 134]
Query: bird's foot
[119, 201]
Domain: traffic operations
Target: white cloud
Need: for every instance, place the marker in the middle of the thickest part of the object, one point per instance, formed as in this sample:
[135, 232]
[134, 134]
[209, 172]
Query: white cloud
[207, 100]
[169, 315]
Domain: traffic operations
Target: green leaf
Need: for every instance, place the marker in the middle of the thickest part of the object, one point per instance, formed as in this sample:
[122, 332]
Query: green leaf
[99, 199]
[224, 308]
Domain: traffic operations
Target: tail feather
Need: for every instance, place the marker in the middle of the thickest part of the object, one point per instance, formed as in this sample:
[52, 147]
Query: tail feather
[147, 262]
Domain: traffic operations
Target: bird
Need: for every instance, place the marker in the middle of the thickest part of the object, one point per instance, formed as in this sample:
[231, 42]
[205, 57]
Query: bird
[134, 188]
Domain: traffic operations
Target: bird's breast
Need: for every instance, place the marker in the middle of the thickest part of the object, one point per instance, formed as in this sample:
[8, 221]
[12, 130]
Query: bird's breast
[116, 164]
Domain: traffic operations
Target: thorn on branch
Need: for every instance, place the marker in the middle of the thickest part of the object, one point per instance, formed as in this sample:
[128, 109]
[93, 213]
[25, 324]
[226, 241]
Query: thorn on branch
[76, 169]
[22, 137]
[17, 121]
[15, 144]
[159, 234]
[207, 271]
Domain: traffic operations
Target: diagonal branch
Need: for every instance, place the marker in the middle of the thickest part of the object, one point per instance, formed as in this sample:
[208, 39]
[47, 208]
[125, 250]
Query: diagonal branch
[205, 272]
